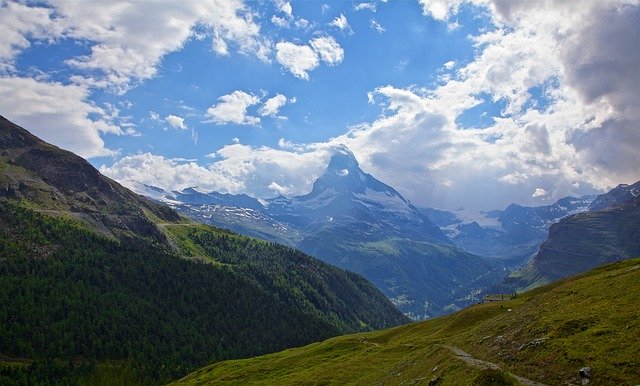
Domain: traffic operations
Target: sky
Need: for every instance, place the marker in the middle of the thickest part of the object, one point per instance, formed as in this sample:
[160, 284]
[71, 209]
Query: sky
[460, 103]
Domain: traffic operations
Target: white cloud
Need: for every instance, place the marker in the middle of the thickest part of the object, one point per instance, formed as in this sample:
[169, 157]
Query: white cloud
[328, 49]
[370, 6]
[450, 64]
[341, 23]
[175, 122]
[59, 114]
[284, 7]
[232, 108]
[376, 26]
[302, 23]
[154, 116]
[440, 9]
[296, 59]
[236, 168]
[539, 192]
[21, 23]
[165, 173]
[279, 21]
[273, 105]
[128, 39]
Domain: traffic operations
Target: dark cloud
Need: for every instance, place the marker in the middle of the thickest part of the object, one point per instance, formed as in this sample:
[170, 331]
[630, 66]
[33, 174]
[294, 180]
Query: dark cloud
[602, 61]
[538, 138]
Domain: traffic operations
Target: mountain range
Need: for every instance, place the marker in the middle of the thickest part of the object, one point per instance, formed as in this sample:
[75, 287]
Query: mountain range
[352, 220]
[510, 237]
[93, 273]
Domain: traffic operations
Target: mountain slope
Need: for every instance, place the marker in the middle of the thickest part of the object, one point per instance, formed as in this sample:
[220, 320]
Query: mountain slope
[57, 180]
[584, 241]
[91, 271]
[546, 335]
[358, 223]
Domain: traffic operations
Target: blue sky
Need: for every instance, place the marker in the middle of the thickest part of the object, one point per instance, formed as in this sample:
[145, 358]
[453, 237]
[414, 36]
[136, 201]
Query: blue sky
[454, 103]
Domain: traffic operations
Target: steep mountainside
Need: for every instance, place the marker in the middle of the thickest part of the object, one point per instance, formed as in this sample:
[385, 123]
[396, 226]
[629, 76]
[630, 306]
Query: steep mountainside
[584, 241]
[511, 236]
[91, 271]
[546, 336]
[356, 222]
[56, 180]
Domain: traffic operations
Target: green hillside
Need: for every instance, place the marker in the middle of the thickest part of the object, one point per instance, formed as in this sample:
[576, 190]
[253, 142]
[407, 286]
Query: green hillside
[546, 335]
[95, 278]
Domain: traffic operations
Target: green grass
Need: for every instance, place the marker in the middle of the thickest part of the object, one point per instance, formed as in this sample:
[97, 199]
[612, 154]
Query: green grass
[545, 335]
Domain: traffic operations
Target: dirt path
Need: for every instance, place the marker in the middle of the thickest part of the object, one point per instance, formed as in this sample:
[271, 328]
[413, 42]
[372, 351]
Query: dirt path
[475, 362]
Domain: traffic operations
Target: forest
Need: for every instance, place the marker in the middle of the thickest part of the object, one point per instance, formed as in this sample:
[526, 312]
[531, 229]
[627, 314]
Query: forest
[73, 298]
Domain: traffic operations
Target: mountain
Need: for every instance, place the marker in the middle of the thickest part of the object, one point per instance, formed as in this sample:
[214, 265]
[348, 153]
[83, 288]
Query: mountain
[511, 236]
[586, 240]
[93, 276]
[352, 220]
[618, 195]
[546, 336]
[60, 182]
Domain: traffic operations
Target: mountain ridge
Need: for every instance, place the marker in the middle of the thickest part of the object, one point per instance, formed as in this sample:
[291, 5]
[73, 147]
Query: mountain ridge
[511, 236]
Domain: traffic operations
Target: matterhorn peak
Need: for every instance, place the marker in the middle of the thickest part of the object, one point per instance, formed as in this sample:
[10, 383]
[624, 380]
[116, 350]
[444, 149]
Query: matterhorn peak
[343, 162]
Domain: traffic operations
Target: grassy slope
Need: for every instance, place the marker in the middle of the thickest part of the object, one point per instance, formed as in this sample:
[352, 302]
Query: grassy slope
[591, 320]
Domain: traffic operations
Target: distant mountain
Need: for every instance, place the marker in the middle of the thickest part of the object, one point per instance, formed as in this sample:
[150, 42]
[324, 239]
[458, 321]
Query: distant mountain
[608, 232]
[618, 195]
[509, 236]
[352, 220]
[93, 272]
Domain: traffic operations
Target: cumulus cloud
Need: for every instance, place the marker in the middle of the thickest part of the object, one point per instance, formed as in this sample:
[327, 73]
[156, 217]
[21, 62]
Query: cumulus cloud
[328, 49]
[21, 23]
[539, 192]
[285, 7]
[297, 59]
[232, 108]
[300, 59]
[450, 64]
[563, 143]
[273, 105]
[440, 9]
[341, 23]
[236, 168]
[59, 114]
[128, 39]
[175, 122]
